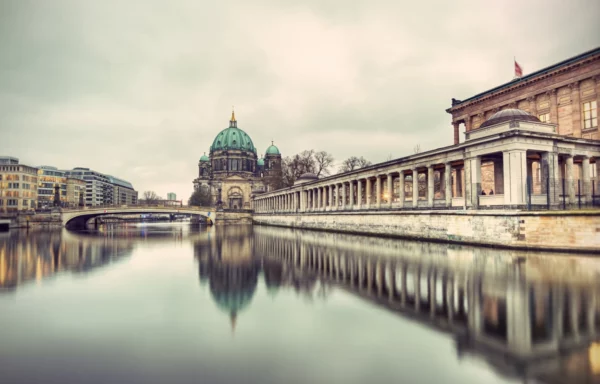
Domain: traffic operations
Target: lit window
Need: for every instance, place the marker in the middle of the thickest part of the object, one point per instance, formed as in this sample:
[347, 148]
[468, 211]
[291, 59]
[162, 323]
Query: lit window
[590, 115]
[544, 117]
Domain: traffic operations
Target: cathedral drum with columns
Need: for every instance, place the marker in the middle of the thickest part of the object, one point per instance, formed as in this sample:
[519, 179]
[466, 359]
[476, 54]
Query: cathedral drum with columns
[233, 173]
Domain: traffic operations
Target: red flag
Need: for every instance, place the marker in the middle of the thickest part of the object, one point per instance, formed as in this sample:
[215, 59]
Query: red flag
[518, 70]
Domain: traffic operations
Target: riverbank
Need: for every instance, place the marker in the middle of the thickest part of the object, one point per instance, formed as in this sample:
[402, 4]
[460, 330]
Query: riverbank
[567, 231]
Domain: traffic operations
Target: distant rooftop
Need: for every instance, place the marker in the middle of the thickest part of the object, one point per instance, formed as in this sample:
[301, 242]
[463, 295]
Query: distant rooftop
[9, 160]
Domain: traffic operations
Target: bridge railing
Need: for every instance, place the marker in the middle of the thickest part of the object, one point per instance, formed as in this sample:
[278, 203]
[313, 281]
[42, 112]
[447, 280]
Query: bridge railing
[139, 206]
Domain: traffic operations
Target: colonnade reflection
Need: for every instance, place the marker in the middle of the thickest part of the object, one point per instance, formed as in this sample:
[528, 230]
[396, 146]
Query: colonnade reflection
[497, 304]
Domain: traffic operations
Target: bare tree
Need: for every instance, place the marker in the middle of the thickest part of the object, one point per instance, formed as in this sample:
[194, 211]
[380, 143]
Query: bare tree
[297, 165]
[417, 148]
[150, 197]
[389, 157]
[323, 161]
[352, 163]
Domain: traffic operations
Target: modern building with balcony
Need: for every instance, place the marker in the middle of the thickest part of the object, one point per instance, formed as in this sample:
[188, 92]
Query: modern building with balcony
[104, 189]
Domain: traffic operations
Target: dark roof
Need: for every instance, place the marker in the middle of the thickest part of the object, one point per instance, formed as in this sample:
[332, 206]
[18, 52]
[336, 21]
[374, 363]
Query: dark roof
[543, 71]
[509, 115]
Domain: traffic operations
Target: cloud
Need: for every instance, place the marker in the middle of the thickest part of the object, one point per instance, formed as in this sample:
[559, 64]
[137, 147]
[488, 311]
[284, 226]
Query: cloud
[140, 89]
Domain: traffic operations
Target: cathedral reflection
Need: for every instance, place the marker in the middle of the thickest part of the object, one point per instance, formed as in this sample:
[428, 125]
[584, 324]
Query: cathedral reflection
[496, 305]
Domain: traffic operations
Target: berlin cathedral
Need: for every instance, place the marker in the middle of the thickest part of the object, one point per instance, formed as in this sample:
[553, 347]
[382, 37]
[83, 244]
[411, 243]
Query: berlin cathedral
[233, 173]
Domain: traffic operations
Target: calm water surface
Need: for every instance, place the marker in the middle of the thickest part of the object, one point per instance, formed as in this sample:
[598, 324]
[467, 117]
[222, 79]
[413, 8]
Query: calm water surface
[242, 304]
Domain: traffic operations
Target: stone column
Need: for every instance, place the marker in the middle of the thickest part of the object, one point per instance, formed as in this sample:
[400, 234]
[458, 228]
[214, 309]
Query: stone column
[430, 186]
[569, 175]
[390, 188]
[337, 196]
[359, 193]
[351, 192]
[331, 197]
[456, 133]
[551, 171]
[586, 176]
[415, 180]
[515, 177]
[474, 176]
[343, 195]
[576, 109]
[448, 184]
[368, 197]
[378, 191]
[319, 199]
[459, 181]
[401, 186]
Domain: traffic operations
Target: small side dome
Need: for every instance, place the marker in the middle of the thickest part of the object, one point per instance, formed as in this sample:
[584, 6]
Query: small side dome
[305, 178]
[510, 114]
[273, 150]
[204, 158]
[260, 162]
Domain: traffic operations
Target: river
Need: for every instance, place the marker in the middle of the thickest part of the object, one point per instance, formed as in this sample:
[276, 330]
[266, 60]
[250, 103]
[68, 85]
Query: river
[174, 303]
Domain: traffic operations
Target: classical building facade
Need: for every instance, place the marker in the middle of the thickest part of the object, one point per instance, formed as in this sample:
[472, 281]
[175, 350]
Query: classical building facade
[18, 185]
[233, 173]
[566, 94]
[513, 143]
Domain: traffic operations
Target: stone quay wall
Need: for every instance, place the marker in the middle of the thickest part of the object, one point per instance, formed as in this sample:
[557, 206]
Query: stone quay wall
[559, 231]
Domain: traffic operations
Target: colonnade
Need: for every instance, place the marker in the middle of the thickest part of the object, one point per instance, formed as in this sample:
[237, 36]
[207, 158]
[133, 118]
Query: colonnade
[413, 187]
[455, 183]
[510, 313]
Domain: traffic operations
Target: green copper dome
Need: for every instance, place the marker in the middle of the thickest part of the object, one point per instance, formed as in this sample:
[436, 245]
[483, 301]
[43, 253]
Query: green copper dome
[260, 162]
[273, 150]
[232, 138]
[204, 158]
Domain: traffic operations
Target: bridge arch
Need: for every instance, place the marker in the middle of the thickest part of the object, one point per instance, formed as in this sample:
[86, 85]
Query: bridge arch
[77, 218]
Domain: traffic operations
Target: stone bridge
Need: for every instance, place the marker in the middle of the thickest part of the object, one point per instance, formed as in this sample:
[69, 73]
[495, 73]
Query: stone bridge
[77, 218]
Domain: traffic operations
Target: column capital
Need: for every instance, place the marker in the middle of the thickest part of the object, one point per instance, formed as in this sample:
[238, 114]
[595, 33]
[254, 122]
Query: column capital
[551, 92]
[531, 99]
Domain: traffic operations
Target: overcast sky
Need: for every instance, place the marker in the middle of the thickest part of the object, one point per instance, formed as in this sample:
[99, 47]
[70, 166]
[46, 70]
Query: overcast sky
[139, 89]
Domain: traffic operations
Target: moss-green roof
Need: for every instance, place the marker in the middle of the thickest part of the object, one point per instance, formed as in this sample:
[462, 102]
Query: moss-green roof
[273, 150]
[233, 138]
[260, 162]
[204, 158]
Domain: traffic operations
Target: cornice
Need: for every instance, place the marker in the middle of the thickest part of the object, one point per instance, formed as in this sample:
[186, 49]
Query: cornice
[528, 83]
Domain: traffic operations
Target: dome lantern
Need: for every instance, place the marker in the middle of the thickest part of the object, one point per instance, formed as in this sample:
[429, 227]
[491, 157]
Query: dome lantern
[232, 138]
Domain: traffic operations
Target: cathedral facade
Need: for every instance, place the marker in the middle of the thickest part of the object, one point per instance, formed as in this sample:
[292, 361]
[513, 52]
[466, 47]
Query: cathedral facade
[233, 173]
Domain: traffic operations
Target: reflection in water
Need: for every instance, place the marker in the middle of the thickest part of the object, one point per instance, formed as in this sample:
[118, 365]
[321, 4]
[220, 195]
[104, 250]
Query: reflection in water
[27, 255]
[521, 315]
[517, 313]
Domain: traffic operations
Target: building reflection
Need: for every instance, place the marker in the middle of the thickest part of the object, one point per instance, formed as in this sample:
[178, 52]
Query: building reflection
[524, 314]
[229, 268]
[33, 255]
